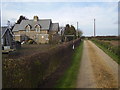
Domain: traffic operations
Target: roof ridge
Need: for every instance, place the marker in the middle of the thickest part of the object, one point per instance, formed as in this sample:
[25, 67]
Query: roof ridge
[55, 23]
[39, 19]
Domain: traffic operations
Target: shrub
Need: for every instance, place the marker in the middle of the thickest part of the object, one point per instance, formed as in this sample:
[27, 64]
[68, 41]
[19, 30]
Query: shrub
[32, 71]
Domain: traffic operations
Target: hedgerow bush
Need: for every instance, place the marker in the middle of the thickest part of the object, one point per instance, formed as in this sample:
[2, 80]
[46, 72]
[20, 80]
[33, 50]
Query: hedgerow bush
[31, 71]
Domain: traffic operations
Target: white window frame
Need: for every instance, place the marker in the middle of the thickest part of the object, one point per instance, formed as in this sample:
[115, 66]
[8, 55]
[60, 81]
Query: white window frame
[37, 28]
[27, 28]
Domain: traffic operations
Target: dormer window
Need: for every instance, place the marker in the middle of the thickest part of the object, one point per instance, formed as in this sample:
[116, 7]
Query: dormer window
[37, 28]
[27, 28]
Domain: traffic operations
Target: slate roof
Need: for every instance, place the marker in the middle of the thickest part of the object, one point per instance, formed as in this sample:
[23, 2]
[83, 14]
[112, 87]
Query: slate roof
[54, 27]
[16, 27]
[44, 23]
[3, 31]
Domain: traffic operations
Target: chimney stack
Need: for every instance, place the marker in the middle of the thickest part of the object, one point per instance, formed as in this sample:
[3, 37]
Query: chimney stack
[36, 18]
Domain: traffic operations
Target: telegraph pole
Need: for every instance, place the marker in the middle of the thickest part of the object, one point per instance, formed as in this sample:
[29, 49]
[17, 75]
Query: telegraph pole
[94, 28]
[77, 30]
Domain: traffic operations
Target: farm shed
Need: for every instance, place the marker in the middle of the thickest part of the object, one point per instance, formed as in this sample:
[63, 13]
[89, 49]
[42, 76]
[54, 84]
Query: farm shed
[6, 37]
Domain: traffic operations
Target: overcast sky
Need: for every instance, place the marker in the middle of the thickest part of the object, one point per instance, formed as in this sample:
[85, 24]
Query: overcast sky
[105, 13]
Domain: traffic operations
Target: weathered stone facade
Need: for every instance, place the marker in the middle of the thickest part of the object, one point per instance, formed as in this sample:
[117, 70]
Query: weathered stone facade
[38, 30]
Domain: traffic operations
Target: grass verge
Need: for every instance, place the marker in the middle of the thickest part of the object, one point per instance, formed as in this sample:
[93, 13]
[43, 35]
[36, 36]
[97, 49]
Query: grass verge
[111, 54]
[70, 77]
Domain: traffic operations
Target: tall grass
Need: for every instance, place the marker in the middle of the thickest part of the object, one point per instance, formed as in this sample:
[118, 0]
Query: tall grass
[112, 51]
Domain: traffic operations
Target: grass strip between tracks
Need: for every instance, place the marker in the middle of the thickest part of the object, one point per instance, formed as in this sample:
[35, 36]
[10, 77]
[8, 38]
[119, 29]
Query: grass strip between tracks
[69, 78]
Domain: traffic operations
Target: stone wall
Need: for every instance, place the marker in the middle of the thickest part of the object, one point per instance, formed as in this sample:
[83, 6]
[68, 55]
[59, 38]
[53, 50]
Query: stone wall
[39, 37]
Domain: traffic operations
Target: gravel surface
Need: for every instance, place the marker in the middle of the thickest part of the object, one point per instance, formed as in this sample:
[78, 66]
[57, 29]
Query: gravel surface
[97, 69]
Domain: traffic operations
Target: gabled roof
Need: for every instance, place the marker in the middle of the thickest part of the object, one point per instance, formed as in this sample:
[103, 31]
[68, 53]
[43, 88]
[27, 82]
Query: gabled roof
[54, 27]
[4, 30]
[16, 27]
[44, 23]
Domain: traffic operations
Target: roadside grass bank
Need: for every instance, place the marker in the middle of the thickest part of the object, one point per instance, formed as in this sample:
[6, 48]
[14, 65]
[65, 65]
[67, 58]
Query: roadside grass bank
[107, 49]
[69, 78]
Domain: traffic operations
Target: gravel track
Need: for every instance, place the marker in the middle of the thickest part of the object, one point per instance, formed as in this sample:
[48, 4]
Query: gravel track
[97, 69]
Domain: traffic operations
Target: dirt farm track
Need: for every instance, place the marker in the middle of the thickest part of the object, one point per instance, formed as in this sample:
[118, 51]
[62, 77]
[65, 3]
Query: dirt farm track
[97, 69]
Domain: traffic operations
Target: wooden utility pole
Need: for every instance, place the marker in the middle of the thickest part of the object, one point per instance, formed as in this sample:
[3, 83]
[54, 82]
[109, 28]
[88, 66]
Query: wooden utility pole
[94, 28]
[77, 30]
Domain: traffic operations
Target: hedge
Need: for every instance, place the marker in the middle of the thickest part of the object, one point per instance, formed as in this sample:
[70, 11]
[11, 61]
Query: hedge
[32, 71]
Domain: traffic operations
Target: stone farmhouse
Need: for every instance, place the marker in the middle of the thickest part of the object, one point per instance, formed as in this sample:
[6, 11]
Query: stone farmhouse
[40, 30]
